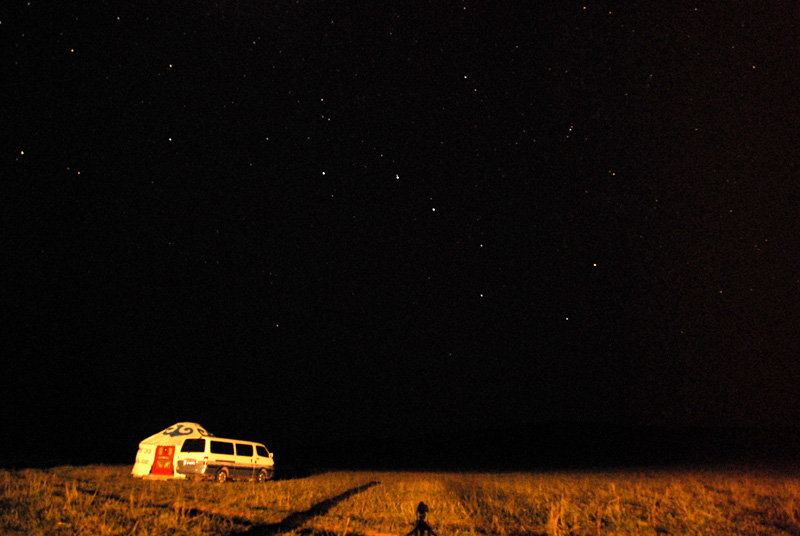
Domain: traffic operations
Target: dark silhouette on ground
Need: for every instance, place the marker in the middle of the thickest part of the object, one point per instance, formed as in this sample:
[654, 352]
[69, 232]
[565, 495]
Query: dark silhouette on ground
[421, 528]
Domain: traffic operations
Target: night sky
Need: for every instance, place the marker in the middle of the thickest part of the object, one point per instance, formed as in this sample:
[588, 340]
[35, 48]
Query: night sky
[303, 222]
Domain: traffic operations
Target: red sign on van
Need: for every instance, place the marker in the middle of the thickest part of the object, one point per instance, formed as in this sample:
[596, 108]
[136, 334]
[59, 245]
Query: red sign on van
[163, 462]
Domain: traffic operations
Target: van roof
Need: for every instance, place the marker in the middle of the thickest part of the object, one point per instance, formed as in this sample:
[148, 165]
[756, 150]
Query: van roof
[235, 440]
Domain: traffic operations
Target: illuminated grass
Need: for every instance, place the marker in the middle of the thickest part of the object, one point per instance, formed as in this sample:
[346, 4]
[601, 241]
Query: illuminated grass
[106, 500]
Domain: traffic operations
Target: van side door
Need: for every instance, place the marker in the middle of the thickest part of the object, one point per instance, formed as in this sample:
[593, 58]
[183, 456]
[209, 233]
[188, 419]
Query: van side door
[245, 466]
[221, 455]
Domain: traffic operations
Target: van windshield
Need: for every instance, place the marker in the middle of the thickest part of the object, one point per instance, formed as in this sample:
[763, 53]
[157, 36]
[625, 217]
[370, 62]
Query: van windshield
[194, 445]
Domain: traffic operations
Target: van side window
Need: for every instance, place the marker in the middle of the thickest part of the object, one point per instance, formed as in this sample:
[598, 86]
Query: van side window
[262, 451]
[194, 445]
[244, 450]
[221, 447]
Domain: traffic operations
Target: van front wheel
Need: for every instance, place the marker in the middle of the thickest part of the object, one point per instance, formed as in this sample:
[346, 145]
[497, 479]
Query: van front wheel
[263, 475]
[221, 476]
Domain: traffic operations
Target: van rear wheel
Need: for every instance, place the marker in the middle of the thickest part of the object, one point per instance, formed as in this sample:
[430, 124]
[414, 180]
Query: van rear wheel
[221, 476]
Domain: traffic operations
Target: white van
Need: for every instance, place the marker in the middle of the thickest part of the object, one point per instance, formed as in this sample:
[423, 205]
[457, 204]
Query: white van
[223, 459]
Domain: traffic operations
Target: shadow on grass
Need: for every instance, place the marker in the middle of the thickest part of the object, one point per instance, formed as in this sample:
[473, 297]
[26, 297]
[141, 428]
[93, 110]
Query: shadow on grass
[298, 519]
[291, 522]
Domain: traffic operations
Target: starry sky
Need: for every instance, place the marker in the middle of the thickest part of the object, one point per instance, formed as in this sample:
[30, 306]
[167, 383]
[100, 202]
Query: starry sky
[320, 220]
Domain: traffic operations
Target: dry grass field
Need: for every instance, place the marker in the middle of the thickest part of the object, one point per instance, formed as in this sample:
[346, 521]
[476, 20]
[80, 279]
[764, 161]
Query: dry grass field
[100, 500]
